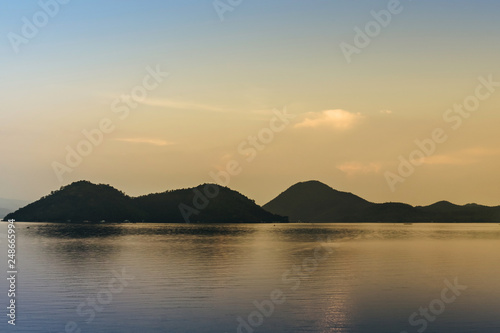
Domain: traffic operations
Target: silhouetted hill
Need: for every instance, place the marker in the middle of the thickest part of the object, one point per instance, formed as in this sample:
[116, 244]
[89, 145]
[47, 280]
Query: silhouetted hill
[84, 201]
[447, 212]
[78, 202]
[310, 201]
[392, 212]
[227, 206]
[314, 201]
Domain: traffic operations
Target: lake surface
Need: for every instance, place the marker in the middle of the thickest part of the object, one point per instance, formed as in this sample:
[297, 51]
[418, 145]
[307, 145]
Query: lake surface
[255, 278]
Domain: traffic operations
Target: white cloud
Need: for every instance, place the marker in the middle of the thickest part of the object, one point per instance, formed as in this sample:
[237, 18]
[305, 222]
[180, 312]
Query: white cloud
[462, 157]
[354, 168]
[183, 105]
[149, 141]
[339, 119]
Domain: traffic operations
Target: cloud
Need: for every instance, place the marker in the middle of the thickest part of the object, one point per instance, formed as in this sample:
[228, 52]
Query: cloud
[355, 168]
[462, 157]
[446, 160]
[149, 141]
[182, 105]
[339, 119]
[386, 111]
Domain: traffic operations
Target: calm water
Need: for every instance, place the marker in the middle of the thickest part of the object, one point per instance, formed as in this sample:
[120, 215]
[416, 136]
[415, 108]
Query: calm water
[213, 278]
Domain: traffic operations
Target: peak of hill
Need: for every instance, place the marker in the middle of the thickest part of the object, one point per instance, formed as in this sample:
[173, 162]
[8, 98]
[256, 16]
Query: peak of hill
[85, 201]
[78, 201]
[204, 203]
[315, 201]
[442, 205]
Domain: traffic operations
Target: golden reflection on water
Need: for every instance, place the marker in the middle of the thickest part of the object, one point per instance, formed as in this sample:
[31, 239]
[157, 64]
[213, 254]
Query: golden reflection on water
[200, 278]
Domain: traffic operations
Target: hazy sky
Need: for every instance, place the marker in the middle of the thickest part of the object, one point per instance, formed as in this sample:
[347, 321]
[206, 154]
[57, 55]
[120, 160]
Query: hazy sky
[355, 112]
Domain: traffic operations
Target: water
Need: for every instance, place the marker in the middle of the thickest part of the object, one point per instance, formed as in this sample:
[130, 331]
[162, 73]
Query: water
[209, 278]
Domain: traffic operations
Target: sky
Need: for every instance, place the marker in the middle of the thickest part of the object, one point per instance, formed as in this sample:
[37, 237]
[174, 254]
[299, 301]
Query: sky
[392, 101]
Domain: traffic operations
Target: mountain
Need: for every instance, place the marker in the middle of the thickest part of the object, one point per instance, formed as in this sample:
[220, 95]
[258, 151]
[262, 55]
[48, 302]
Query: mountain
[313, 201]
[4, 212]
[200, 204]
[310, 201]
[316, 202]
[12, 204]
[444, 211]
[84, 201]
[9, 205]
[78, 202]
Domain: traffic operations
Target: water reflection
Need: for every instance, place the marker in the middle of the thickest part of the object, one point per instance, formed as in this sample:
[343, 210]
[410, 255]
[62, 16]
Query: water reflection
[201, 278]
[74, 231]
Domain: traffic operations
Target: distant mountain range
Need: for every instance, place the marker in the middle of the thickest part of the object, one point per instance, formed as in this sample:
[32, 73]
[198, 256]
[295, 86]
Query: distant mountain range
[83, 201]
[313, 201]
[9, 205]
[4, 211]
[310, 201]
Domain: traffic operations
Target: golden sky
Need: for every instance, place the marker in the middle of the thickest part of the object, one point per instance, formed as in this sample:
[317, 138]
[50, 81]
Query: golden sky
[180, 95]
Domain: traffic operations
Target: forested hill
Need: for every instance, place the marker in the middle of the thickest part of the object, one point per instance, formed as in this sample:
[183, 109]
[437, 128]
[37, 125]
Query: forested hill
[85, 201]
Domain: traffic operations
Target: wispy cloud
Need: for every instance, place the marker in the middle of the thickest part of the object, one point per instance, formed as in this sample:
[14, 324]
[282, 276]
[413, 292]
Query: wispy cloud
[355, 168]
[183, 105]
[462, 157]
[149, 141]
[339, 119]
[450, 159]
[386, 111]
